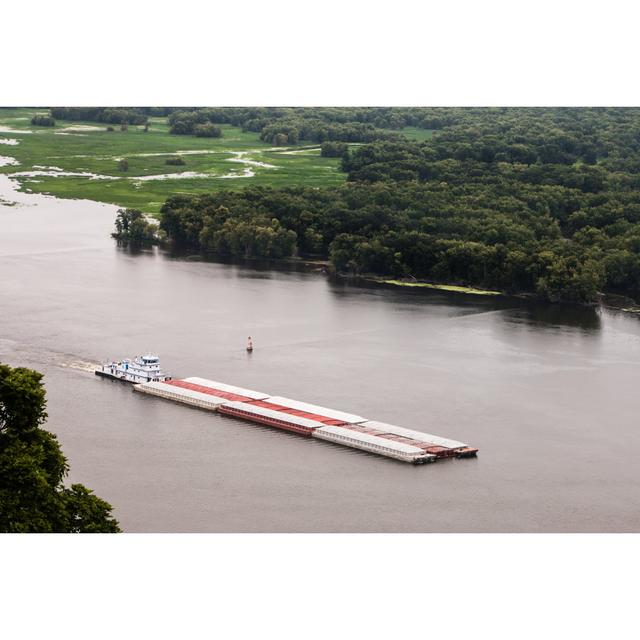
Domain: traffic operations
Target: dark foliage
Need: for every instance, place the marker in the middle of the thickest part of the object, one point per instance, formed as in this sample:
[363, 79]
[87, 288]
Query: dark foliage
[334, 149]
[133, 229]
[203, 222]
[290, 125]
[43, 121]
[207, 130]
[33, 498]
[111, 115]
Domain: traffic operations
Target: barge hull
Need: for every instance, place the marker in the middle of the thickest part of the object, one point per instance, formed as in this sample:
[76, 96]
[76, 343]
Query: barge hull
[265, 420]
[193, 398]
[418, 457]
[374, 444]
[104, 374]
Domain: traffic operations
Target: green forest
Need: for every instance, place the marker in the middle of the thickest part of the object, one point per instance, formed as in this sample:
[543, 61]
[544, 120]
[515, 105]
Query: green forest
[543, 201]
[33, 496]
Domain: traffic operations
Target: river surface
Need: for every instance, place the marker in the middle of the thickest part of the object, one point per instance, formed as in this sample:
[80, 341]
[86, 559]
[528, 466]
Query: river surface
[549, 394]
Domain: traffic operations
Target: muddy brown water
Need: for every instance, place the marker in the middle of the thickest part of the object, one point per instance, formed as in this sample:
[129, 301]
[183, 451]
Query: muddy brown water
[549, 394]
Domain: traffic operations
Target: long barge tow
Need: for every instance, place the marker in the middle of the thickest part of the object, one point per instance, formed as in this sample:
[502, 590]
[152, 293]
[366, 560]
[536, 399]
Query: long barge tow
[338, 427]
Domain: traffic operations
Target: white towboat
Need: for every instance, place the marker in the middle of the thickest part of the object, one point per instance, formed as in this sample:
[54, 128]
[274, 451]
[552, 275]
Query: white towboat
[136, 370]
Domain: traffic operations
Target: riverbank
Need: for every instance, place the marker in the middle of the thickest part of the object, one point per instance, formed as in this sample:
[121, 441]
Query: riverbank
[606, 300]
[440, 287]
[619, 303]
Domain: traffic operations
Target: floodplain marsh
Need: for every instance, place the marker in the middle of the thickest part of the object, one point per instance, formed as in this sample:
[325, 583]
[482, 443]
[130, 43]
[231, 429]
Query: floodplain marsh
[81, 160]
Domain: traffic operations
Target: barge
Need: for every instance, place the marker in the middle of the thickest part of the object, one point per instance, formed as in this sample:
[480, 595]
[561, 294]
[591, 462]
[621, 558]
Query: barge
[303, 418]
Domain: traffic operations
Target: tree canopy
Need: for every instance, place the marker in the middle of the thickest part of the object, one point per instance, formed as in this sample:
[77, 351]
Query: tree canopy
[290, 125]
[111, 115]
[33, 498]
[133, 229]
[40, 120]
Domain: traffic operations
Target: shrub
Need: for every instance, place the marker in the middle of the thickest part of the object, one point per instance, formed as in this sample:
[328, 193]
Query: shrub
[333, 149]
[133, 229]
[43, 121]
[207, 130]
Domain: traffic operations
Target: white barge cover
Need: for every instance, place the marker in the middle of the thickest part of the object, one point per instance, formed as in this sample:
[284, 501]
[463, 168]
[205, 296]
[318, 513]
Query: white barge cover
[249, 408]
[342, 435]
[320, 411]
[229, 388]
[170, 391]
[420, 436]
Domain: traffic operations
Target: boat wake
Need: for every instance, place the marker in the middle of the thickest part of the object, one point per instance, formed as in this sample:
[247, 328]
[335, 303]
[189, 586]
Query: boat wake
[78, 365]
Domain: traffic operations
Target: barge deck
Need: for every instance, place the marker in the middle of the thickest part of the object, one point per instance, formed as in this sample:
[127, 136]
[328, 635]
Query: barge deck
[346, 429]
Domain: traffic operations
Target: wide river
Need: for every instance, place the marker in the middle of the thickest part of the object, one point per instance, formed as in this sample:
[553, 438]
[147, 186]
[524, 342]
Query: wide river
[549, 394]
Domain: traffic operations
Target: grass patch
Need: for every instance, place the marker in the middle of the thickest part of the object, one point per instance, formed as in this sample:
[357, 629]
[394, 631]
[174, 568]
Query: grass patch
[71, 148]
[443, 287]
[419, 135]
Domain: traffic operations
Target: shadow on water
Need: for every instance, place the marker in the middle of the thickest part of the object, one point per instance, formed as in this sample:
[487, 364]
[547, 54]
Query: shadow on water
[250, 267]
[549, 315]
[343, 288]
[134, 251]
[531, 312]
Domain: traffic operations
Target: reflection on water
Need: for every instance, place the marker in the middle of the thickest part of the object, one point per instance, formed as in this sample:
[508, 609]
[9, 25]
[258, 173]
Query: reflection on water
[548, 393]
[248, 267]
[563, 315]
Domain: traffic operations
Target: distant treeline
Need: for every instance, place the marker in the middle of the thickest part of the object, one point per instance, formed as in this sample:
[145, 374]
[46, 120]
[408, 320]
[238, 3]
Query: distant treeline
[110, 115]
[193, 123]
[256, 118]
[525, 200]
[290, 125]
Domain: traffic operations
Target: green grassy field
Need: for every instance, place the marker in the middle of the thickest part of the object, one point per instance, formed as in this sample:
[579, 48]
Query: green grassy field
[413, 133]
[87, 147]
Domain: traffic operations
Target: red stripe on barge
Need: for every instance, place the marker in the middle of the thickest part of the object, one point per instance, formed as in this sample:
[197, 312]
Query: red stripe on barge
[265, 404]
[208, 390]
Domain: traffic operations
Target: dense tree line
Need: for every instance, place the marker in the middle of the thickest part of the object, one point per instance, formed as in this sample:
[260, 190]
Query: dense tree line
[256, 118]
[290, 125]
[33, 498]
[110, 115]
[545, 201]
[205, 223]
[402, 229]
